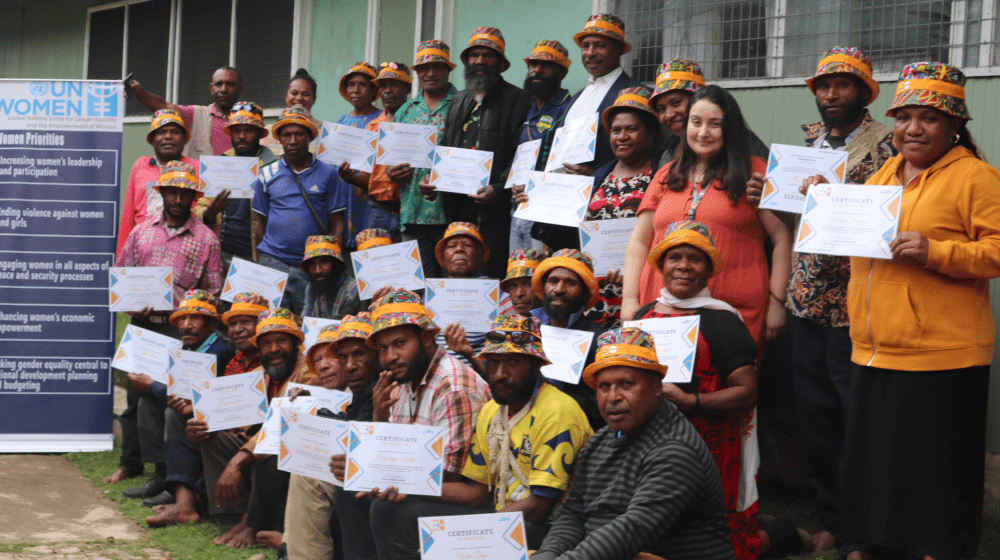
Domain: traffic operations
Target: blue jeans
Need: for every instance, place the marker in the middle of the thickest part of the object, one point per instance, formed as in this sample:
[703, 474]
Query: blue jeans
[294, 297]
[384, 219]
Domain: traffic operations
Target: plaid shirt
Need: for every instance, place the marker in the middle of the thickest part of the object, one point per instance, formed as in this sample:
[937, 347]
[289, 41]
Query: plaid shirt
[192, 251]
[450, 395]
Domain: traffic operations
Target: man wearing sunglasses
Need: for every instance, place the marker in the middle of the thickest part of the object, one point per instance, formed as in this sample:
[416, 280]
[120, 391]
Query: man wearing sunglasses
[524, 448]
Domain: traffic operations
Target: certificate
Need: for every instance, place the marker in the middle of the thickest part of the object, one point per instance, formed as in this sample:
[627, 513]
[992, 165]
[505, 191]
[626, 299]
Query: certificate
[311, 327]
[525, 159]
[406, 143]
[224, 172]
[340, 142]
[458, 170]
[186, 367]
[574, 142]
[308, 442]
[556, 198]
[567, 349]
[849, 220]
[246, 276]
[397, 265]
[133, 288]
[605, 242]
[232, 401]
[470, 302]
[270, 431]
[676, 340]
[788, 166]
[331, 399]
[143, 351]
[487, 536]
[407, 456]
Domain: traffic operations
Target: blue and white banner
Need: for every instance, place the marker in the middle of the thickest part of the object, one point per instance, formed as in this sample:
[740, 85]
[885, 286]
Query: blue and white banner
[60, 164]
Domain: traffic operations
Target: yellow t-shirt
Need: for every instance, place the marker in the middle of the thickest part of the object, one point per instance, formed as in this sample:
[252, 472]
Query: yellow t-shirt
[546, 442]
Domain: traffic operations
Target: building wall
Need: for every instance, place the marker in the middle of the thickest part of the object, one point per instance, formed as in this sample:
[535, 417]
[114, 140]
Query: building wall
[338, 41]
[36, 35]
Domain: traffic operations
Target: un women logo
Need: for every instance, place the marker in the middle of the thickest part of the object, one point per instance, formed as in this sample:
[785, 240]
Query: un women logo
[38, 88]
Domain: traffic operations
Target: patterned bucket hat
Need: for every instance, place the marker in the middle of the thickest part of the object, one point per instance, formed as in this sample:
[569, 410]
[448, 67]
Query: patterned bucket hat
[162, 118]
[521, 264]
[245, 112]
[684, 75]
[371, 238]
[321, 245]
[572, 259]
[195, 302]
[278, 319]
[355, 326]
[509, 325]
[687, 232]
[399, 307]
[931, 84]
[491, 38]
[248, 303]
[362, 68]
[629, 99]
[296, 114]
[433, 51]
[550, 51]
[623, 347]
[846, 60]
[179, 174]
[605, 25]
[327, 336]
[456, 229]
[393, 71]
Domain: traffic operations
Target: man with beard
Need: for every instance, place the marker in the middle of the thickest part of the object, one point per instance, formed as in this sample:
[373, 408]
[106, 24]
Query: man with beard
[487, 115]
[547, 66]
[520, 267]
[173, 239]
[522, 454]
[420, 384]
[566, 285]
[461, 254]
[331, 293]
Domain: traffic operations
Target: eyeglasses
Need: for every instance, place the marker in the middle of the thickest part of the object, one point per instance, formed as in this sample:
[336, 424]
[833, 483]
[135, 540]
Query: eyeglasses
[517, 337]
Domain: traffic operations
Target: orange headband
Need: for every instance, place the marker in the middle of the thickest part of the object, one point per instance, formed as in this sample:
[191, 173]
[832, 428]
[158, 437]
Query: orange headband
[625, 350]
[276, 321]
[373, 241]
[604, 25]
[198, 304]
[686, 76]
[354, 326]
[848, 60]
[360, 70]
[399, 308]
[493, 38]
[550, 50]
[178, 175]
[523, 263]
[935, 86]
[253, 116]
[323, 245]
[632, 97]
[249, 307]
[438, 52]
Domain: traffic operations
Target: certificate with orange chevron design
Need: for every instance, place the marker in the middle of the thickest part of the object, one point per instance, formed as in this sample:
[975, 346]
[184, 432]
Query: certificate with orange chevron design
[788, 166]
[849, 220]
[228, 402]
[407, 456]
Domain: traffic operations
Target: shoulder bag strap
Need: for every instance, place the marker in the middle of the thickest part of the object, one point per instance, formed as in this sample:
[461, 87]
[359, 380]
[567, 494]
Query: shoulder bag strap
[319, 222]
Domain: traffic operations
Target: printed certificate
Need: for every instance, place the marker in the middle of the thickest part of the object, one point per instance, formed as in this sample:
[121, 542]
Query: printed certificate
[849, 220]
[232, 401]
[186, 367]
[270, 431]
[224, 172]
[556, 198]
[605, 242]
[488, 536]
[574, 142]
[525, 159]
[246, 276]
[308, 442]
[567, 350]
[461, 171]
[333, 400]
[470, 302]
[134, 288]
[406, 143]
[407, 456]
[788, 166]
[676, 340]
[397, 265]
[311, 327]
[340, 142]
[143, 351]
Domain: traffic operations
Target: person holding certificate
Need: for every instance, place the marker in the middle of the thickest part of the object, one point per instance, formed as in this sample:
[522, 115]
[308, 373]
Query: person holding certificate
[331, 292]
[513, 463]
[923, 335]
[462, 253]
[520, 267]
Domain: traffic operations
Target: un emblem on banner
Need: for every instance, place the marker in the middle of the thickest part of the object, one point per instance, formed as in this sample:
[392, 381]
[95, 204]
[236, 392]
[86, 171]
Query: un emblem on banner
[38, 88]
[102, 99]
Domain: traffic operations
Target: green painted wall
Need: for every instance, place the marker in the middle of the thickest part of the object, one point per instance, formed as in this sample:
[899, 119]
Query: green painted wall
[338, 41]
[397, 21]
[36, 35]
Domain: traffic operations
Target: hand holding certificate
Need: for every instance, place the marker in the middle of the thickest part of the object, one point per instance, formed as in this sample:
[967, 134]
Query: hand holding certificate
[270, 430]
[331, 399]
[567, 349]
[246, 276]
[849, 220]
[788, 166]
[134, 288]
[457, 170]
[407, 456]
[488, 536]
[575, 142]
[187, 367]
[341, 142]
[555, 198]
[676, 340]
[406, 143]
[397, 265]
[308, 442]
[525, 159]
[605, 241]
[228, 402]
[235, 174]
[472, 303]
[143, 351]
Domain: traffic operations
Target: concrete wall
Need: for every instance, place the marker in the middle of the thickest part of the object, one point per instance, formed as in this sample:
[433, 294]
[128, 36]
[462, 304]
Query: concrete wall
[338, 41]
[42, 38]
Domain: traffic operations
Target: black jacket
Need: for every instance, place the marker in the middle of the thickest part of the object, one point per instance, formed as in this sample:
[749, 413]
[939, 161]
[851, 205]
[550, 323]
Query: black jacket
[581, 392]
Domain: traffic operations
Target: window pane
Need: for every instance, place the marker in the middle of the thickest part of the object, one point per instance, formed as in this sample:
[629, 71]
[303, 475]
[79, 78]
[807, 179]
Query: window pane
[264, 49]
[204, 48]
[148, 43]
[107, 36]
[428, 11]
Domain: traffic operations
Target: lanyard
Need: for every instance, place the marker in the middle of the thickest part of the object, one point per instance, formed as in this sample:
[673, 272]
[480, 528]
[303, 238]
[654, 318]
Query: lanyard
[696, 195]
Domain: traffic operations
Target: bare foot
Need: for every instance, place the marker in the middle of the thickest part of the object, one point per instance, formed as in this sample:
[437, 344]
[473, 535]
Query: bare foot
[173, 516]
[859, 555]
[269, 539]
[822, 541]
[163, 507]
[243, 538]
[116, 477]
[224, 538]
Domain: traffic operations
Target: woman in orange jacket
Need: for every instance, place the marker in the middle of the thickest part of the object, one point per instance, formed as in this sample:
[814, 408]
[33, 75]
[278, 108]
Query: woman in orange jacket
[922, 330]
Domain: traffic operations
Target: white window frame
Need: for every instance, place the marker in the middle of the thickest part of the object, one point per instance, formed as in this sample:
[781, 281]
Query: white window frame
[444, 18]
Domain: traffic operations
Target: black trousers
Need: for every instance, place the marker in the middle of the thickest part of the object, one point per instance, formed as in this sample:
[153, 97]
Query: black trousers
[496, 235]
[268, 495]
[426, 237]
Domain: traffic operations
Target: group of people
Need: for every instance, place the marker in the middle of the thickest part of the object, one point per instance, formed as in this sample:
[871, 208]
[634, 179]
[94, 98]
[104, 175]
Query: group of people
[891, 357]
